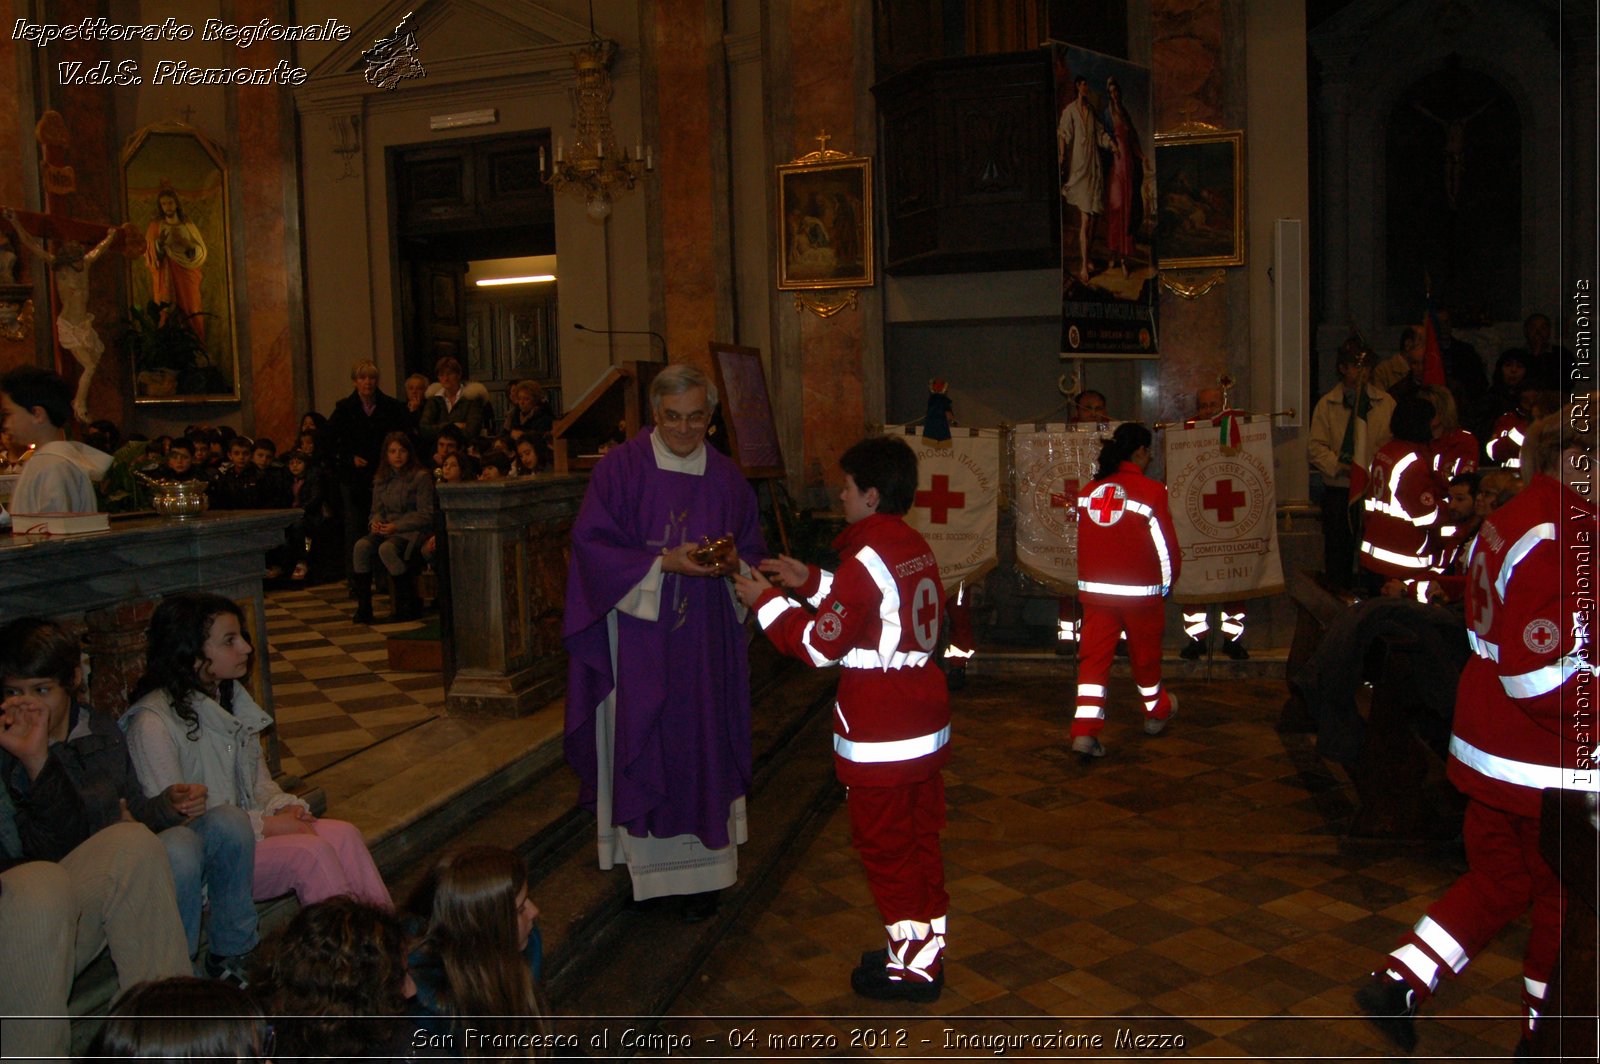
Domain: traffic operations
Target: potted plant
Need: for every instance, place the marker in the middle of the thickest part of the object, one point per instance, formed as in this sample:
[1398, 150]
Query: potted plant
[165, 351]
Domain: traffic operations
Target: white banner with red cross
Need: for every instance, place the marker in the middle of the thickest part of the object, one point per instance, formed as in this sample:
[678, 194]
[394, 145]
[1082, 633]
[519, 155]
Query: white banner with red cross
[1224, 507]
[958, 498]
[1052, 463]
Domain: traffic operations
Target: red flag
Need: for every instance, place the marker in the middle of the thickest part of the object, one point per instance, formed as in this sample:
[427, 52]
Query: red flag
[1432, 359]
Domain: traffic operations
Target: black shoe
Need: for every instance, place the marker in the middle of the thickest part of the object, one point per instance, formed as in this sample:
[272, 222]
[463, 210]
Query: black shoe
[1066, 648]
[698, 908]
[1235, 650]
[645, 905]
[956, 678]
[235, 971]
[873, 982]
[876, 958]
[1194, 651]
[1391, 1006]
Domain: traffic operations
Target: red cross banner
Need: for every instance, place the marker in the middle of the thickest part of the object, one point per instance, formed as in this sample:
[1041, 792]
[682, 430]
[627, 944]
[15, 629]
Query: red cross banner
[1052, 463]
[958, 495]
[1224, 506]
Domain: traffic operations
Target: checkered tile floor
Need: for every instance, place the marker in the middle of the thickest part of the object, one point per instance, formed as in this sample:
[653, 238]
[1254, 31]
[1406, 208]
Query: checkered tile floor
[1196, 885]
[334, 693]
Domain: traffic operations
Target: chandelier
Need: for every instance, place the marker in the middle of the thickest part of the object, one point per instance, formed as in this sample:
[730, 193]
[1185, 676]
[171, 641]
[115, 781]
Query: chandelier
[597, 168]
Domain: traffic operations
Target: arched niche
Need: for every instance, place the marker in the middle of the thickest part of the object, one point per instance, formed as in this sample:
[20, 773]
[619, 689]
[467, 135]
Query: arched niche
[1453, 190]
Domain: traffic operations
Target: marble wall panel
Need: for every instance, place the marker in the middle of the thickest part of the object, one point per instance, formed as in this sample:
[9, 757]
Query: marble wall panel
[688, 281]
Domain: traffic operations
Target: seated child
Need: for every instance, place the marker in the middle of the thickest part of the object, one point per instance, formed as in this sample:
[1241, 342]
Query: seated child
[192, 721]
[237, 486]
[480, 953]
[335, 984]
[81, 749]
[184, 1019]
[180, 462]
[272, 480]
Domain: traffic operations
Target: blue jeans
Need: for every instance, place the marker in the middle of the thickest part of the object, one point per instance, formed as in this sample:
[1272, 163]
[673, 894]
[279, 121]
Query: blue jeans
[217, 849]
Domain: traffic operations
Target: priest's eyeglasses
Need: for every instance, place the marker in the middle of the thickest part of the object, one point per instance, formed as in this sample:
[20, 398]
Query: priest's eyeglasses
[673, 419]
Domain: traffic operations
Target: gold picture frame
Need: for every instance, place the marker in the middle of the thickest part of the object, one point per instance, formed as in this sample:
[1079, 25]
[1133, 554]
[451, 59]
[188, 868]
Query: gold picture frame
[188, 259]
[1199, 197]
[825, 222]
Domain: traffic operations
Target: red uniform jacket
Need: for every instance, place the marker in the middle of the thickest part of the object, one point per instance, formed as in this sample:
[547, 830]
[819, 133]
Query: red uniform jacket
[1505, 441]
[1405, 499]
[1525, 709]
[878, 617]
[1455, 453]
[1127, 547]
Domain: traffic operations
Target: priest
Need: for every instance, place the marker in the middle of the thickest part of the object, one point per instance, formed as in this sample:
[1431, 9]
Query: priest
[658, 692]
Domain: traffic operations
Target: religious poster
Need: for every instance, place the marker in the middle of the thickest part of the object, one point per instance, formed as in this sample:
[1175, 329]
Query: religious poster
[957, 501]
[1052, 463]
[1106, 152]
[1224, 505]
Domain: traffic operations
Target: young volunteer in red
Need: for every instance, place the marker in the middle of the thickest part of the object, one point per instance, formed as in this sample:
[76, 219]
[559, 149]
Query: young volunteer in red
[878, 617]
[1127, 562]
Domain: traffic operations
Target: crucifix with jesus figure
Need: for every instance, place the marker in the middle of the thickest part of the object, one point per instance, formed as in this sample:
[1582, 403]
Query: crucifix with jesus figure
[69, 247]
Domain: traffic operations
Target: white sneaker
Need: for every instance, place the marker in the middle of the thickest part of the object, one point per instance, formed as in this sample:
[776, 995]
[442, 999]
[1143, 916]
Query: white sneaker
[1155, 726]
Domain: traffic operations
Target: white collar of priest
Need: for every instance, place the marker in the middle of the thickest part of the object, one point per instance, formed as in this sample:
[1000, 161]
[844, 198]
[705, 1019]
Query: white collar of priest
[694, 464]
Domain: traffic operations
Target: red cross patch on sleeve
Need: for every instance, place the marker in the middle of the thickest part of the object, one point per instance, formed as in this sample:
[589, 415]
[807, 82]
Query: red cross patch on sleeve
[1541, 635]
[829, 626]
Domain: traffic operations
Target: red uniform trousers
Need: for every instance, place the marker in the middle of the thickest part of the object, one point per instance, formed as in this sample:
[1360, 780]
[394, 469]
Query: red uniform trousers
[1506, 874]
[895, 830]
[1143, 618]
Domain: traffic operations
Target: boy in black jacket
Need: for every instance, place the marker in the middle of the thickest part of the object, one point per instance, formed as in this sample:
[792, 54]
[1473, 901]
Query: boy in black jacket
[59, 754]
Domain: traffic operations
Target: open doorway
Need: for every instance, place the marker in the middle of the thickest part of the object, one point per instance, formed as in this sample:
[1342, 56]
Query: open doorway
[470, 210]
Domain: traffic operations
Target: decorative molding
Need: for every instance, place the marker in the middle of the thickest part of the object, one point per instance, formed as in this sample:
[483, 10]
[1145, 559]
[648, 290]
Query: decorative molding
[1196, 290]
[825, 304]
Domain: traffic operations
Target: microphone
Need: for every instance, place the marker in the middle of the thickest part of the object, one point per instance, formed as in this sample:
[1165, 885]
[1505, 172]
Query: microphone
[626, 332]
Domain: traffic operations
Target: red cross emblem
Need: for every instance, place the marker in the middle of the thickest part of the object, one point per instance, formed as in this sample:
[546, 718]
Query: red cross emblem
[1223, 500]
[939, 500]
[925, 614]
[1068, 495]
[1106, 504]
[1541, 635]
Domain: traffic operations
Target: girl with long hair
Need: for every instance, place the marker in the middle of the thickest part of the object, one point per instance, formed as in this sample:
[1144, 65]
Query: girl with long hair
[336, 982]
[479, 956]
[402, 516]
[192, 721]
[1127, 563]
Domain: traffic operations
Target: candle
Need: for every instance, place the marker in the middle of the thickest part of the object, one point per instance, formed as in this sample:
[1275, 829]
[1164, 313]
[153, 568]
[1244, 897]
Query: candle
[541, 159]
[561, 149]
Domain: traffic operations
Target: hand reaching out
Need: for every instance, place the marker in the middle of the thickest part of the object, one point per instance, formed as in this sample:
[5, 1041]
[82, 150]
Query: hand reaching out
[786, 571]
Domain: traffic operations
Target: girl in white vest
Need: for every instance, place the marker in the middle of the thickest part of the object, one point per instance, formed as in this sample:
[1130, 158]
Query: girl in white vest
[193, 722]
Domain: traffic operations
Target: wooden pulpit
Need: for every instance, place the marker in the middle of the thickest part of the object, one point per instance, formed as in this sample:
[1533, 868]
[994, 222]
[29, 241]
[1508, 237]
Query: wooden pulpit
[619, 402]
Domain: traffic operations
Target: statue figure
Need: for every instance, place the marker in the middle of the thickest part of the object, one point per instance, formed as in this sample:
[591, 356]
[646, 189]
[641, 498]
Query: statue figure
[69, 268]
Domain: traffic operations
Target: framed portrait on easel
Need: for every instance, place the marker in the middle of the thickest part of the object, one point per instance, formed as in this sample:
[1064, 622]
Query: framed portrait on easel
[747, 411]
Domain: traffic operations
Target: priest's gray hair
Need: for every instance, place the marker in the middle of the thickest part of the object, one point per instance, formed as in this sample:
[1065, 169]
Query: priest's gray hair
[680, 378]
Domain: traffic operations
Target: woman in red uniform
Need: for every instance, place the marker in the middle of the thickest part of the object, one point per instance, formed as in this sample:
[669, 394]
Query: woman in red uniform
[1405, 499]
[1519, 727]
[1127, 561]
[878, 617]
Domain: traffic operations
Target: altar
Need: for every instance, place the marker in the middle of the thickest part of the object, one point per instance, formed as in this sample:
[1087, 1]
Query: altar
[109, 582]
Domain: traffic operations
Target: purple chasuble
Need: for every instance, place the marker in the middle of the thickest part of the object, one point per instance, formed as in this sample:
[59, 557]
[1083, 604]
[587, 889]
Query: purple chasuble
[682, 734]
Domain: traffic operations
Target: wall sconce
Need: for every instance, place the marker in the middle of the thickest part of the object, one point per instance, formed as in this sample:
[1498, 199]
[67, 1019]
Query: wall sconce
[347, 134]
